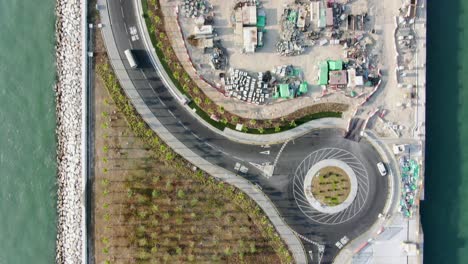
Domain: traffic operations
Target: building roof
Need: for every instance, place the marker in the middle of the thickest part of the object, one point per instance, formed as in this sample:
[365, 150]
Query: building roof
[337, 78]
[323, 73]
[249, 15]
[250, 39]
[322, 19]
[351, 77]
[335, 65]
[329, 16]
[314, 12]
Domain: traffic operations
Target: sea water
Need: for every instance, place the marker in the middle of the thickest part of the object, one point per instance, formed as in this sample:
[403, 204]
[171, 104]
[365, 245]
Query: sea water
[27, 132]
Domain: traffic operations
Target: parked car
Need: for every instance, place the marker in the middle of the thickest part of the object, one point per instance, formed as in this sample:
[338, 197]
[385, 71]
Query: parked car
[382, 169]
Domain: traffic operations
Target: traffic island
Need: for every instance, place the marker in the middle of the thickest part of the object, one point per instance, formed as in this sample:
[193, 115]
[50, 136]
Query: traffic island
[330, 186]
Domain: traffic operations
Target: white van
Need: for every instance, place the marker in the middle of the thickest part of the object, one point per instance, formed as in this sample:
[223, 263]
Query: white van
[381, 168]
[131, 59]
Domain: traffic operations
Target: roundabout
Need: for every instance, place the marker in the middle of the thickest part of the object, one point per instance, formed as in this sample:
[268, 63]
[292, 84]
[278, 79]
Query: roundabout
[318, 211]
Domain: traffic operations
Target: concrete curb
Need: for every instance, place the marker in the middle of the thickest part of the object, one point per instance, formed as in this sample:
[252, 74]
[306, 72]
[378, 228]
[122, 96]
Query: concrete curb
[253, 139]
[84, 126]
[291, 240]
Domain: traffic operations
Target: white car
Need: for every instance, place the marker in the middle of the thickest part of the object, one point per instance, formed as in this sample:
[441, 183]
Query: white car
[382, 169]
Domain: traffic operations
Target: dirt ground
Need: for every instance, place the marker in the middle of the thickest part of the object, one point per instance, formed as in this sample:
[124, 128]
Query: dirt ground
[391, 98]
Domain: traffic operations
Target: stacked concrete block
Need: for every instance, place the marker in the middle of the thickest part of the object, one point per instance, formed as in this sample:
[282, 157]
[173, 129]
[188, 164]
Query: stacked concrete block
[239, 84]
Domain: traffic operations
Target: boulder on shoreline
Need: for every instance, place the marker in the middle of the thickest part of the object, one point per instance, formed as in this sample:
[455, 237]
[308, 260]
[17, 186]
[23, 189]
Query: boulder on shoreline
[68, 91]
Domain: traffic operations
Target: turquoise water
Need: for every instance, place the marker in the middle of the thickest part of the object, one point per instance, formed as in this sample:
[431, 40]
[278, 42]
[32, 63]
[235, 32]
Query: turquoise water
[445, 211]
[27, 132]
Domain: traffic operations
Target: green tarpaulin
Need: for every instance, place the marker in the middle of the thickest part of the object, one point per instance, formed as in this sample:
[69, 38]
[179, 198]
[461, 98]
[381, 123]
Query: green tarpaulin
[284, 90]
[292, 16]
[323, 75]
[335, 65]
[261, 22]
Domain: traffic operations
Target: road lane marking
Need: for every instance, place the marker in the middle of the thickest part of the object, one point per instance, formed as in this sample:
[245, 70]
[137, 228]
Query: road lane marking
[279, 153]
[170, 112]
[125, 26]
[196, 136]
[183, 125]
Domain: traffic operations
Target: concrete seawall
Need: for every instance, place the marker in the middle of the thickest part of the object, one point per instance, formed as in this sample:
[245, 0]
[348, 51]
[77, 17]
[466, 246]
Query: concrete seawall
[70, 32]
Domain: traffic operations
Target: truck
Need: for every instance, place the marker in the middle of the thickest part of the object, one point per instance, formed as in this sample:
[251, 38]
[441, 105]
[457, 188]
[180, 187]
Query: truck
[130, 58]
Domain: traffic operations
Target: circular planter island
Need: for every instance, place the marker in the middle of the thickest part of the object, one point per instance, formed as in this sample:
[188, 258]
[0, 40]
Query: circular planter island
[330, 186]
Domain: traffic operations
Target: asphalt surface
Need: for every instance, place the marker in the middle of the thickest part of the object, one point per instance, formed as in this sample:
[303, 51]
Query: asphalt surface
[224, 153]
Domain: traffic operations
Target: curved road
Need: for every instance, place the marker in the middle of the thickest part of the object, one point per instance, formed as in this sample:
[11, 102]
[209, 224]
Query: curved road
[227, 154]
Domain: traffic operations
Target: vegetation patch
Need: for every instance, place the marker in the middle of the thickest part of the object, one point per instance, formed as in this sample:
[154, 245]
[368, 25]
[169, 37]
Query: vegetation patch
[331, 186]
[152, 206]
[206, 108]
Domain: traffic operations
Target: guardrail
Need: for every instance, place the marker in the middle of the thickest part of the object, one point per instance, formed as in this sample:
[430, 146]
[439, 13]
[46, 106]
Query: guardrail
[84, 126]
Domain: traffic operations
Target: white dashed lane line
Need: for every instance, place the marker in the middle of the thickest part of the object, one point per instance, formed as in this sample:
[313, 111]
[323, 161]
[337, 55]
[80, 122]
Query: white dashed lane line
[170, 112]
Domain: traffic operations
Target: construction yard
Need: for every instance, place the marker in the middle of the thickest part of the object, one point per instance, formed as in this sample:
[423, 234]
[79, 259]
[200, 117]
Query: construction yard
[281, 44]
[266, 59]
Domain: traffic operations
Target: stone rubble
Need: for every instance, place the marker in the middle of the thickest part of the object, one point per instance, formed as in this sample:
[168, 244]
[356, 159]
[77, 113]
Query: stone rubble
[70, 196]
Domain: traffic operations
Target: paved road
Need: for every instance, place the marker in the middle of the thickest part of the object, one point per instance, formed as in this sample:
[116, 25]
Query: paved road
[227, 154]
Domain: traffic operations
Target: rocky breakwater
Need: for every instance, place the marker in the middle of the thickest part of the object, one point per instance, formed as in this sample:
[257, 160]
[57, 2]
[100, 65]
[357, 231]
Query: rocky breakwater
[69, 90]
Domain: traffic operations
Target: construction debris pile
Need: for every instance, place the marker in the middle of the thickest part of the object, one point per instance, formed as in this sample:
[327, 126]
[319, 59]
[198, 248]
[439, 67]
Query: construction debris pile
[406, 43]
[317, 23]
[289, 82]
[204, 35]
[196, 8]
[239, 84]
[218, 58]
[405, 38]
[409, 183]
[291, 37]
